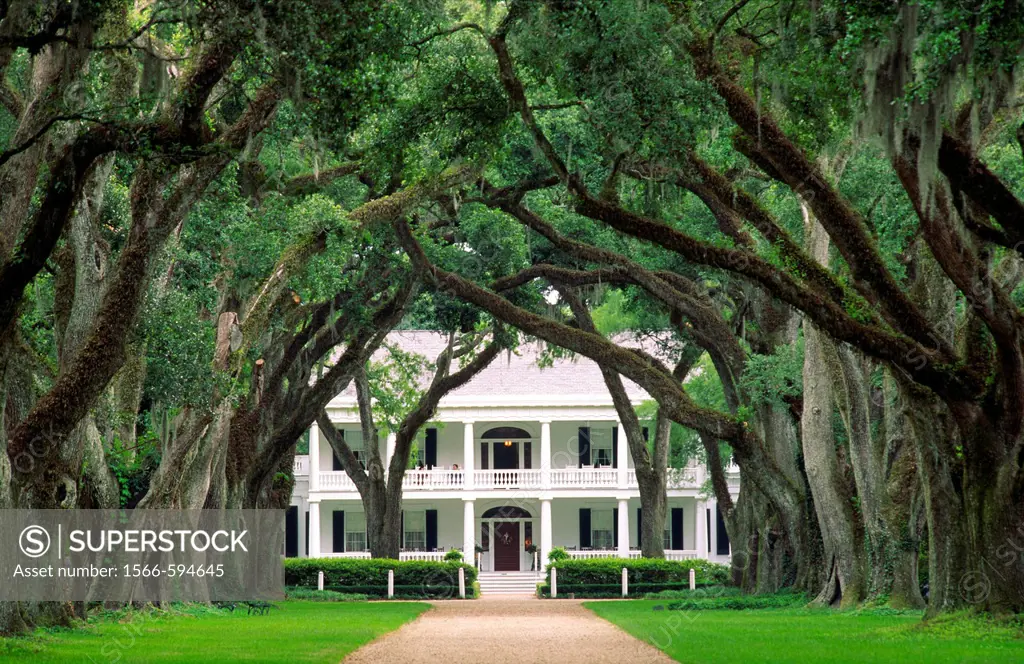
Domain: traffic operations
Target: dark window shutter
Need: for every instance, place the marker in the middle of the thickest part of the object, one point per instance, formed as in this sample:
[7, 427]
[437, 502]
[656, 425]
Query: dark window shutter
[336, 462]
[677, 528]
[307, 535]
[339, 531]
[431, 448]
[291, 532]
[647, 434]
[584, 446]
[615, 526]
[584, 527]
[485, 453]
[401, 537]
[723, 536]
[431, 530]
[527, 455]
[615, 447]
[639, 526]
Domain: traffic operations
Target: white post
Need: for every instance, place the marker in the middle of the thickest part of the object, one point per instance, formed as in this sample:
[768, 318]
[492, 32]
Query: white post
[314, 530]
[545, 454]
[391, 583]
[536, 562]
[390, 450]
[462, 583]
[320, 580]
[468, 445]
[623, 546]
[468, 530]
[693, 579]
[622, 452]
[545, 529]
[314, 461]
[702, 529]
[625, 582]
[479, 559]
[554, 582]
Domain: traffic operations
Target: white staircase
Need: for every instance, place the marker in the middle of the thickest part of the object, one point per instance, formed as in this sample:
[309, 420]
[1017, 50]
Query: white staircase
[508, 583]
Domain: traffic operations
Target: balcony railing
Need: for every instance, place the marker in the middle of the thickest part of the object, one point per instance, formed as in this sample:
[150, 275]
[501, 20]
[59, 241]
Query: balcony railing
[571, 478]
[301, 466]
[559, 478]
[507, 479]
[404, 555]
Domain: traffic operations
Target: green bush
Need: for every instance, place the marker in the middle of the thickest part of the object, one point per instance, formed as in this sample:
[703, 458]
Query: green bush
[414, 579]
[454, 556]
[608, 590]
[707, 592]
[557, 554]
[741, 602]
[314, 595]
[669, 573]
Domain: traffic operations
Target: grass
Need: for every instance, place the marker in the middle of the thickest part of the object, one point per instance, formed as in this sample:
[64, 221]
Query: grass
[807, 636]
[297, 631]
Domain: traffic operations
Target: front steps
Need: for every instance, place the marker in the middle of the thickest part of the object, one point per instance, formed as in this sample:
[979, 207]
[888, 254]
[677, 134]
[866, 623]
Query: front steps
[508, 583]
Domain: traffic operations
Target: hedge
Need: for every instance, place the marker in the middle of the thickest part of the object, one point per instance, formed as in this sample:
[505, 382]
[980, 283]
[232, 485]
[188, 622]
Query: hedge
[414, 579]
[741, 603]
[602, 577]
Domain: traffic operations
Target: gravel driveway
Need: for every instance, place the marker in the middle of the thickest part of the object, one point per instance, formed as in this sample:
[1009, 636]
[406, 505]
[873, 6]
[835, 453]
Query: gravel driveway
[508, 630]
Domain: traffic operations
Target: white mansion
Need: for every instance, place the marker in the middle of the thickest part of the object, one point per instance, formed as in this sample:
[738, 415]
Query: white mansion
[521, 458]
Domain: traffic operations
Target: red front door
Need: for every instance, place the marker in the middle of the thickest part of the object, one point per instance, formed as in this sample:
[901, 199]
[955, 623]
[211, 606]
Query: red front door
[506, 546]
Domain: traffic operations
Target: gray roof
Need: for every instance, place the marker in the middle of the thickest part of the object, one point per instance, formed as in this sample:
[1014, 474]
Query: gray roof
[518, 373]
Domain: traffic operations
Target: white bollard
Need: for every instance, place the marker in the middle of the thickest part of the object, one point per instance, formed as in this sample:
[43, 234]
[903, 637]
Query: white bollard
[320, 581]
[462, 583]
[554, 582]
[693, 579]
[391, 583]
[625, 582]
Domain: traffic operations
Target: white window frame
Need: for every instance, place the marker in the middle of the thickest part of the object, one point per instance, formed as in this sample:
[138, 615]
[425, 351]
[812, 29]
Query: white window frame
[602, 538]
[601, 441]
[415, 540]
[355, 534]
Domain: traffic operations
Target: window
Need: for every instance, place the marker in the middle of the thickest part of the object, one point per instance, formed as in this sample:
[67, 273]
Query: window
[602, 529]
[416, 531]
[354, 439]
[666, 541]
[355, 531]
[601, 447]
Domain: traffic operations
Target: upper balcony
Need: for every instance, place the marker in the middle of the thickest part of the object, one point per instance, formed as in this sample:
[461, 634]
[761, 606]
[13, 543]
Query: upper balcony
[440, 479]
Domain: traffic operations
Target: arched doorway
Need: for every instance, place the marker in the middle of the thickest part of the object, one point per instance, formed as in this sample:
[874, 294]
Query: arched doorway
[506, 448]
[507, 532]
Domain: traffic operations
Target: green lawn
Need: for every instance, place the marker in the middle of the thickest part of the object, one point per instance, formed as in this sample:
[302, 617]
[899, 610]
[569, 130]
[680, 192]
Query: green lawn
[295, 632]
[806, 636]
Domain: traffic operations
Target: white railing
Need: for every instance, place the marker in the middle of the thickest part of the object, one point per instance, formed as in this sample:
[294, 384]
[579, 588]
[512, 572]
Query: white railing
[433, 479]
[336, 480]
[301, 466]
[571, 478]
[601, 553]
[507, 479]
[680, 554]
[403, 555]
[678, 478]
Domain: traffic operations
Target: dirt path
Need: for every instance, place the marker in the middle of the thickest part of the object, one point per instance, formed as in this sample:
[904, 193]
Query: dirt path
[508, 631]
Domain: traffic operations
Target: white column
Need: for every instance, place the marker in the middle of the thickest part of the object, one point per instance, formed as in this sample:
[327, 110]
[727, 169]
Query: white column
[390, 450]
[468, 531]
[713, 535]
[314, 458]
[623, 529]
[623, 454]
[314, 529]
[468, 444]
[545, 531]
[702, 529]
[545, 457]
[303, 552]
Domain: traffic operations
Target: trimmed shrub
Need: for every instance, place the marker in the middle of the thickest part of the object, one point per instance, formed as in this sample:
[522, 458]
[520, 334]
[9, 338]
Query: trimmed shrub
[707, 592]
[741, 602]
[314, 595]
[453, 556]
[558, 554]
[610, 590]
[670, 574]
[414, 579]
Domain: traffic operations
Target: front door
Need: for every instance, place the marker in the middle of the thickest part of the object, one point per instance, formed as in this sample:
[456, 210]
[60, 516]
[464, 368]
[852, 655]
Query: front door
[506, 458]
[506, 546]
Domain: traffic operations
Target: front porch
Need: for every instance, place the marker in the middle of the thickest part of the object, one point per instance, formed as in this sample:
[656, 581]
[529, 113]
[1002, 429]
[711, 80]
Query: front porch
[505, 535]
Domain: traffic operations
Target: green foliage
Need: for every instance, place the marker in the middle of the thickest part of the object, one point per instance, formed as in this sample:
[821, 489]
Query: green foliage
[413, 578]
[454, 556]
[646, 574]
[313, 595]
[776, 377]
[741, 602]
[557, 554]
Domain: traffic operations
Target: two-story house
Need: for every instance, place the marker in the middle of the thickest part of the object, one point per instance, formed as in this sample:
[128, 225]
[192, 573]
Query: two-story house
[521, 455]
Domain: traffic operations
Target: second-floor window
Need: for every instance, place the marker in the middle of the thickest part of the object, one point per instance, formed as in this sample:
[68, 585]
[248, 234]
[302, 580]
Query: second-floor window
[601, 447]
[415, 531]
[355, 531]
[602, 529]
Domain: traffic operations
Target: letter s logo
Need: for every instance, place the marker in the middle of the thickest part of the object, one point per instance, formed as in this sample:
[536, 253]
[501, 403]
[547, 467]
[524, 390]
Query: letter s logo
[34, 541]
